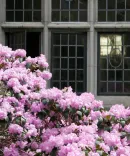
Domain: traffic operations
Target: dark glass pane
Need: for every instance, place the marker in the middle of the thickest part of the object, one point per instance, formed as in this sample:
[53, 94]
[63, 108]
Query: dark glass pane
[127, 39]
[111, 4]
[127, 87]
[72, 84]
[37, 16]
[64, 63]
[119, 75]
[83, 16]
[83, 4]
[127, 51]
[9, 16]
[80, 75]
[27, 4]
[74, 4]
[9, 4]
[63, 85]
[80, 51]
[63, 74]
[56, 75]
[127, 75]
[111, 87]
[56, 63]
[103, 75]
[56, 51]
[101, 15]
[64, 15]
[56, 84]
[37, 4]
[55, 15]
[72, 51]
[103, 63]
[56, 39]
[18, 16]
[64, 4]
[119, 87]
[127, 4]
[80, 87]
[64, 39]
[101, 4]
[55, 4]
[64, 51]
[103, 87]
[72, 63]
[111, 16]
[72, 75]
[127, 15]
[72, 39]
[27, 15]
[111, 75]
[126, 63]
[80, 63]
[80, 39]
[120, 15]
[18, 4]
[120, 4]
[73, 15]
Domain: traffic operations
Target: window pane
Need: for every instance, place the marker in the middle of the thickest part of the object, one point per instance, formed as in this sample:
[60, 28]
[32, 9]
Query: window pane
[127, 87]
[80, 87]
[64, 63]
[28, 16]
[9, 16]
[72, 63]
[80, 51]
[55, 4]
[64, 15]
[27, 4]
[120, 4]
[56, 74]
[74, 4]
[72, 51]
[9, 4]
[72, 75]
[55, 15]
[103, 75]
[83, 16]
[119, 87]
[56, 51]
[72, 39]
[127, 4]
[64, 51]
[64, 4]
[127, 51]
[103, 63]
[103, 87]
[83, 4]
[101, 15]
[101, 4]
[63, 85]
[72, 84]
[56, 62]
[80, 63]
[56, 84]
[127, 15]
[127, 75]
[111, 15]
[73, 15]
[37, 16]
[64, 75]
[126, 63]
[64, 39]
[111, 4]
[127, 39]
[120, 15]
[80, 75]
[111, 87]
[18, 16]
[37, 4]
[119, 75]
[56, 40]
[18, 4]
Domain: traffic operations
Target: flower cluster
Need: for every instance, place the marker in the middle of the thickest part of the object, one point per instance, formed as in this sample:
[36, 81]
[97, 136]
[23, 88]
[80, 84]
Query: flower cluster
[36, 121]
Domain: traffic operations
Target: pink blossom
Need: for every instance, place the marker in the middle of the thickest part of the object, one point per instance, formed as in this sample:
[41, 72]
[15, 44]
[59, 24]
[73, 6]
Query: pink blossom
[15, 129]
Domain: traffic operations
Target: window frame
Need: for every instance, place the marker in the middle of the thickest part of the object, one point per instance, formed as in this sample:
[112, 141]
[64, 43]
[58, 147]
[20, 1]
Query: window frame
[77, 31]
[98, 67]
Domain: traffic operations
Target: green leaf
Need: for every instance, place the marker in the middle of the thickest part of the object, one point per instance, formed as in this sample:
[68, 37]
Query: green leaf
[42, 114]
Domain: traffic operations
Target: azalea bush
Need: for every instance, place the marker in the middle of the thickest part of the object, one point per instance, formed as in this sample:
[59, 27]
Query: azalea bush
[36, 121]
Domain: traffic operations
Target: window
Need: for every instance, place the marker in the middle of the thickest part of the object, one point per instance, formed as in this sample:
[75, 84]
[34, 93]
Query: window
[69, 10]
[24, 40]
[69, 60]
[114, 64]
[23, 10]
[113, 10]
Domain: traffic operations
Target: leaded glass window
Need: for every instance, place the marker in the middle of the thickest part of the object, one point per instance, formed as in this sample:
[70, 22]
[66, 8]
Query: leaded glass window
[23, 10]
[69, 10]
[69, 60]
[113, 10]
[114, 64]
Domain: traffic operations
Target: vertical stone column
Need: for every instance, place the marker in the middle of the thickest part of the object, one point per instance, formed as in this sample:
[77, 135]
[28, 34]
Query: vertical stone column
[2, 19]
[91, 49]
